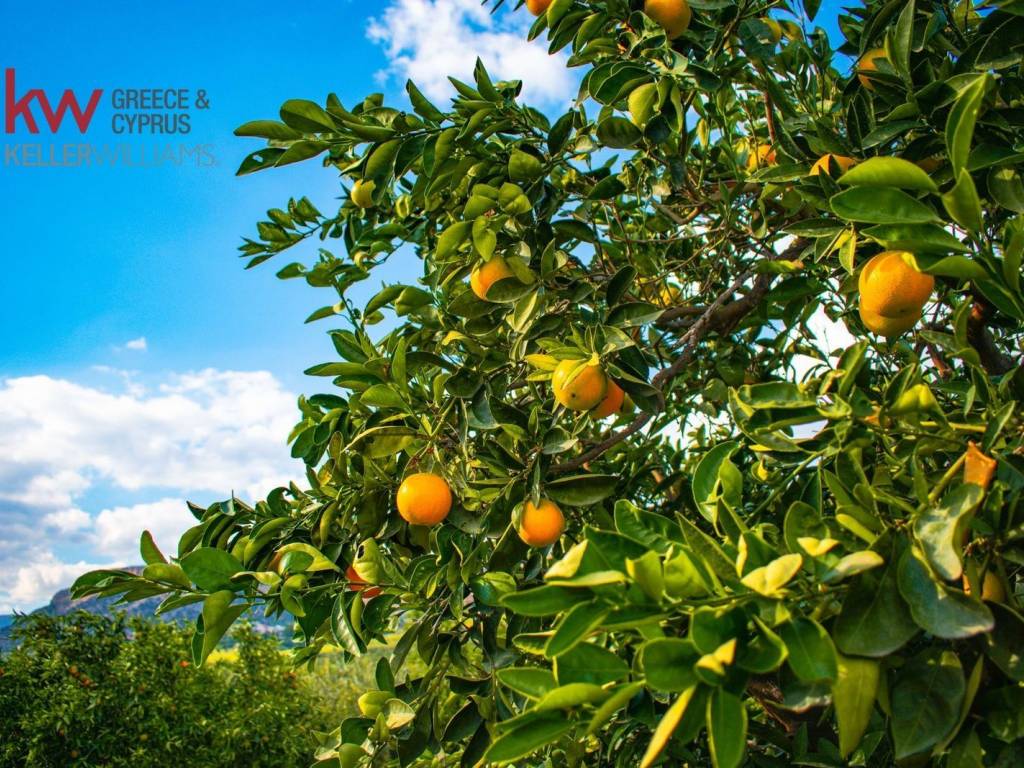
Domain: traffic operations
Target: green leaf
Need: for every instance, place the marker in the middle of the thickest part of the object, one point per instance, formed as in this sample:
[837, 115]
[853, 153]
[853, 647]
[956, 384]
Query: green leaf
[944, 612]
[268, 129]
[618, 132]
[527, 738]
[574, 628]
[318, 561]
[915, 238]
[532, 682]
[667, 726]
[421, 104]
[589, 663]
[150, 551]
[962, 203]
[961, 120]
[210, 569]
[707, 478]
[570, 696]
[888, 172]
[449, 240]
[938, 529]
[619, 698]
[607, 188]
[581, 490]
[380, 165]
[307, 116]
[881, 206]
[812, 656]
[382, 396]
[926, 701]
[218, 616]
[341, 625]
[875, 620]
[523, 166]
[1006, 188]
[853, 696]
[668, 664]
[727, 729]
[1005, 643]
[543, 601]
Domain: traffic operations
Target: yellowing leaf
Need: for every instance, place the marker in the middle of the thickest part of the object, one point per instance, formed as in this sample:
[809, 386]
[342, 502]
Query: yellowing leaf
[816, 547]
[769, 579]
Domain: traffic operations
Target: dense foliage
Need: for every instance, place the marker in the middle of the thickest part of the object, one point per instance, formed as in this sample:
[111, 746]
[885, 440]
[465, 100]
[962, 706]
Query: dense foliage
[775, 552]
[86, 690]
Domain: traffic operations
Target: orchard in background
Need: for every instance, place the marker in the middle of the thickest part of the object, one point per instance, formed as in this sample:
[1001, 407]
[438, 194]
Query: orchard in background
[604, 474]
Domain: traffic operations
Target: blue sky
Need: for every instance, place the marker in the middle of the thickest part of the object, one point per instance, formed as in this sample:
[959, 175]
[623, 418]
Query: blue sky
[100, 436]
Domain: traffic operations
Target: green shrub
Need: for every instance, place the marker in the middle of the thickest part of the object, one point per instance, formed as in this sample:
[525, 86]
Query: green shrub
[86, 690]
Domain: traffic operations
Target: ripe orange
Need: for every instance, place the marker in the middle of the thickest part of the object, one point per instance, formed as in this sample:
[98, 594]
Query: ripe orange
[892, 293]
[537, 7]
[978, 468]
[760, 157]
[582, 391]
[424, 499]
[671, 15]
[869, 63]
[487, 274]
[612, 402]
[540, 525]
[355, 582]
[821, 165]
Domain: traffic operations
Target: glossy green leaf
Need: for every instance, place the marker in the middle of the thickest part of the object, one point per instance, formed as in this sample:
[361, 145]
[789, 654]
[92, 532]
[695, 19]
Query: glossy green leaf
[727, 729]
[880, 205]
[926, 701]
[943, 611]
[812, 656]
[853, 695]
[888, 172]
[938, 529]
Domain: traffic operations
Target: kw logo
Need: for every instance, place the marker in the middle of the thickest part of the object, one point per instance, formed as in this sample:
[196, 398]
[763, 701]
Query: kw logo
[15, 107]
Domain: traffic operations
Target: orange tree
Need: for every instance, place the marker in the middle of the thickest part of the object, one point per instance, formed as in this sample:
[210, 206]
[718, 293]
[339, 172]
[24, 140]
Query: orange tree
[604, 475]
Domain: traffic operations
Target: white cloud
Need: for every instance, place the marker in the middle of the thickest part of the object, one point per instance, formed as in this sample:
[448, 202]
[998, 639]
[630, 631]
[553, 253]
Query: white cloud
[428, 40]
[34, 582]
[115, 532]
[200, 435]
[67, 520]
[136, 345]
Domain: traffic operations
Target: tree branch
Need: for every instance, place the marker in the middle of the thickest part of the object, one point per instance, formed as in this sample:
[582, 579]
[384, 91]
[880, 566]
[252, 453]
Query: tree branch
[718, 315]
[979, 337]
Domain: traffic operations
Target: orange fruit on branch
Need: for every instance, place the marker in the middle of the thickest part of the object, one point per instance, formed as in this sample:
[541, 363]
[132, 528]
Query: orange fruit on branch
[540, 525]
[579, 387]
[612, 402]
[358, 584]
[760, 156]
[822, 165]
[487, 274]
[424, 499]
[537, 7]
[867, 64]
[671, 15]
[892, 293]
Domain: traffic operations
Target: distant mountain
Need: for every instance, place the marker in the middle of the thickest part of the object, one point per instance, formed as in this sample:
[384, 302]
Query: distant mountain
[62, 604]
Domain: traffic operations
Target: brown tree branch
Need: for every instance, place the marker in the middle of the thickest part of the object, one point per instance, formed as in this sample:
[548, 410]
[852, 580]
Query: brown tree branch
[718, 315]
[979, 337]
